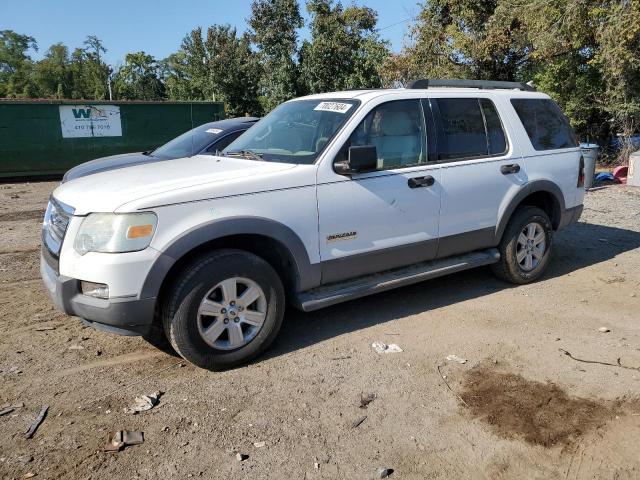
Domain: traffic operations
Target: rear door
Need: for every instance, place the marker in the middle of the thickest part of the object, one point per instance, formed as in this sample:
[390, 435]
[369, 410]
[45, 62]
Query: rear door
[481, 170]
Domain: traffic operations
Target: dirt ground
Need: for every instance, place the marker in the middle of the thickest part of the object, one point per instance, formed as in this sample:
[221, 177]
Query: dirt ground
[520, 407]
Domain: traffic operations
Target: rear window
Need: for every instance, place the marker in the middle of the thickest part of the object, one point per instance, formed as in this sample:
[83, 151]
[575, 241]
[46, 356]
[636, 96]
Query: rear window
[468, 128]
[546, 125]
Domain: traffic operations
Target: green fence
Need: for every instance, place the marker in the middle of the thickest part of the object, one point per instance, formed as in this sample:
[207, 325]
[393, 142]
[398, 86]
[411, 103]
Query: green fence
[47, 137]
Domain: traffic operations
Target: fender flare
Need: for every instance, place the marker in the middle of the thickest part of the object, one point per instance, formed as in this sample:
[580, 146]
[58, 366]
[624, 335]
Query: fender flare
[307, 274]
[535, 186]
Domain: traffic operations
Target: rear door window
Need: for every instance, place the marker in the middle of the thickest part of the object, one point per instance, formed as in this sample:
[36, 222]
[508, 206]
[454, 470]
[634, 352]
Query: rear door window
[468, 128]
[546, 125]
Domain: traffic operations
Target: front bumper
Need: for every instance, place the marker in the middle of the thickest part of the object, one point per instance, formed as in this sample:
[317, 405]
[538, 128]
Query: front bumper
[124, 316]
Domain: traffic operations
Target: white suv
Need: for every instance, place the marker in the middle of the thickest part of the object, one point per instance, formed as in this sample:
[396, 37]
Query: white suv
[328, 198]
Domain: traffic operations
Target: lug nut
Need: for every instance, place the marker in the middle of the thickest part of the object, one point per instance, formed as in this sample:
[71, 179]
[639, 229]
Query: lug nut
[240, 309]
[226, 320]
[236, 319]
[233, 303]
[224, 310]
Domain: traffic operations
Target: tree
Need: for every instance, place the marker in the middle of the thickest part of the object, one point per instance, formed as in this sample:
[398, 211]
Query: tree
[618, 58]
[15, 64]
[138, 78]
[53, 75]
[344, 51]
[275, 24]
[221, 66]
[462, 39]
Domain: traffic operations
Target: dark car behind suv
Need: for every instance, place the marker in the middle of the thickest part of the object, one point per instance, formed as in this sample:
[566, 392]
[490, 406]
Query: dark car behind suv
[208, 138]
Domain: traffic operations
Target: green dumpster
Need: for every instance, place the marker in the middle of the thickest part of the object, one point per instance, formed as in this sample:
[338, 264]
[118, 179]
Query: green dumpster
[47, 137]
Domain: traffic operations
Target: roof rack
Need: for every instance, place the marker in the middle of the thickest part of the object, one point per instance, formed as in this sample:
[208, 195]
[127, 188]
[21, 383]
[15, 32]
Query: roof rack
[481, 84]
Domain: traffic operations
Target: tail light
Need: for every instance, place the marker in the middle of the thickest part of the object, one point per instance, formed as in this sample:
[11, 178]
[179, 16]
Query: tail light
[581, 172]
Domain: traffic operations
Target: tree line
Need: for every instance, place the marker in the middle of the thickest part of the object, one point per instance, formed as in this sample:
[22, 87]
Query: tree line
[584, 53]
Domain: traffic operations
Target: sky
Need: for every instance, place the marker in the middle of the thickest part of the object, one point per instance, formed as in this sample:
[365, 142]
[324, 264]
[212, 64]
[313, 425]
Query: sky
[157, 26]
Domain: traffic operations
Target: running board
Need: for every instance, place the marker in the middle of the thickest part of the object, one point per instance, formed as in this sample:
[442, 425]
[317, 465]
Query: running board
[360, 287]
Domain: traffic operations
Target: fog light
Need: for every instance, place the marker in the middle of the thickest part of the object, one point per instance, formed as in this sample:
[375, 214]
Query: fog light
[97, 290]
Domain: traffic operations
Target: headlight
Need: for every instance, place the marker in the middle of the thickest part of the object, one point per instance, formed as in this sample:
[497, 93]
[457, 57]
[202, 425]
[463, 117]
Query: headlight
[115, 232]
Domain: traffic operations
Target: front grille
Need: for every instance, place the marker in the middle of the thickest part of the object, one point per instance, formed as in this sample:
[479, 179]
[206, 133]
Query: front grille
[54, 227]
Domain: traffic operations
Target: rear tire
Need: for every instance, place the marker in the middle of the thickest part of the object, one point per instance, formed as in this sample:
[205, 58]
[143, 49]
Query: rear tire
[207, 319]
[525, 248]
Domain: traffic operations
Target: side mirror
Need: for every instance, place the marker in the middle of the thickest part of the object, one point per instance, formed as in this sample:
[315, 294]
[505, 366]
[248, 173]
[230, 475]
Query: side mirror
[361, 159]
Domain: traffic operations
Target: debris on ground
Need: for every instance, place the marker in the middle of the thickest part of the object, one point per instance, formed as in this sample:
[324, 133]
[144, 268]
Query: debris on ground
[456, 358]
[76, 347]
[24, 459]
[36, 423]
[45, 328]
[241, 457]
[617, 364]
[316, 465]
[123, 438]
[7, 408]
[366, 399]
[604, 329]
[358, 422]
[29, 475]
[382, 347]
[12, 369]
[259, 444]
[143, 403]
[384, 472]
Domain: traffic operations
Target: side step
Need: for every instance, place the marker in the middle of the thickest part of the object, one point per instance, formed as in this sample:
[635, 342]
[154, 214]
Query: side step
[360, 287]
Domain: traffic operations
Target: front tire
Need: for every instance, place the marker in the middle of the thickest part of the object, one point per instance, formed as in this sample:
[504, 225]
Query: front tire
[525, 248]
[225, 308]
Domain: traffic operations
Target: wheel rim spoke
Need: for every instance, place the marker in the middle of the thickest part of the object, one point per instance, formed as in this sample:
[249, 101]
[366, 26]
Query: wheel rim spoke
[213, 332]
[538, 252]
[210, 308]
[229, 290]
[253, 318]
[528, 261]
[539, 238]
[531, 231]
[249, 296]
[236, 338]
[520, 255]
[522, 239]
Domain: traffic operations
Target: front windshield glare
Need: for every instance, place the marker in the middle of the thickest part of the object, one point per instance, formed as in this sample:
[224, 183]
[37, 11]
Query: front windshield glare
[295, 132]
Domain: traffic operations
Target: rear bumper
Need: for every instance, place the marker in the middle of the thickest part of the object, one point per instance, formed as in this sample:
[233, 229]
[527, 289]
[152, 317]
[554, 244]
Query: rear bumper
[570, 215]
[124, 316]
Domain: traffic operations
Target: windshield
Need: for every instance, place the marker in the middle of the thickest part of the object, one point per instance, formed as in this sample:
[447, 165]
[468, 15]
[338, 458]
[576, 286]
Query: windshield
[294, 132]
[189, 143]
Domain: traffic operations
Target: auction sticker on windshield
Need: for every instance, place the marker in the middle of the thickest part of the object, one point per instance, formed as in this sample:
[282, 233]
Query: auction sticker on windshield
[333, 107]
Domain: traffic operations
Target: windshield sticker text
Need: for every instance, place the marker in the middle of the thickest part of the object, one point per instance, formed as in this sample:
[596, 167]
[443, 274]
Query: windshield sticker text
[333, 107]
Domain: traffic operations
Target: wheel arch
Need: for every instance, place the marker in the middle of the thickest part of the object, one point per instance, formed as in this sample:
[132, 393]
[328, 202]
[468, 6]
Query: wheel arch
[543, 194]
[274, 242]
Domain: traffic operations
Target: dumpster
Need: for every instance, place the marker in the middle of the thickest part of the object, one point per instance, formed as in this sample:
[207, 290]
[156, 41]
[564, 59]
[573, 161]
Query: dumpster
[590, 155]
[47, 137]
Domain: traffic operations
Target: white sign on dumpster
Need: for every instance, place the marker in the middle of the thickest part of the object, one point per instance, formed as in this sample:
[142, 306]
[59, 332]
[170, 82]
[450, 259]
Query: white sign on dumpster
[90, 121]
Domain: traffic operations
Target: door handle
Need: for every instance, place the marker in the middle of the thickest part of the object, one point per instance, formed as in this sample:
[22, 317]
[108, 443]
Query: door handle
[508, 169]
[417, 182]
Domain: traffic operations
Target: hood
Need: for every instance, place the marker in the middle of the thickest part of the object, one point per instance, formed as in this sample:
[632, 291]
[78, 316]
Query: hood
[187, 179]
[107, 163]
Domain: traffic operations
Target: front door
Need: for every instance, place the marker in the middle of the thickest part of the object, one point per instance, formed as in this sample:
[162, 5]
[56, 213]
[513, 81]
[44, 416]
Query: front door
[388, 218]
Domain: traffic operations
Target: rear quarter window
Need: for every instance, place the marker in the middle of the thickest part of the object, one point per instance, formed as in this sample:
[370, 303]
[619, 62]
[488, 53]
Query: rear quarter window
[546, 125]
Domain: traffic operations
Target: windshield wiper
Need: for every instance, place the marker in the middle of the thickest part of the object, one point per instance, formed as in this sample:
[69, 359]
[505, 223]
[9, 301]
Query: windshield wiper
[246, 154]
